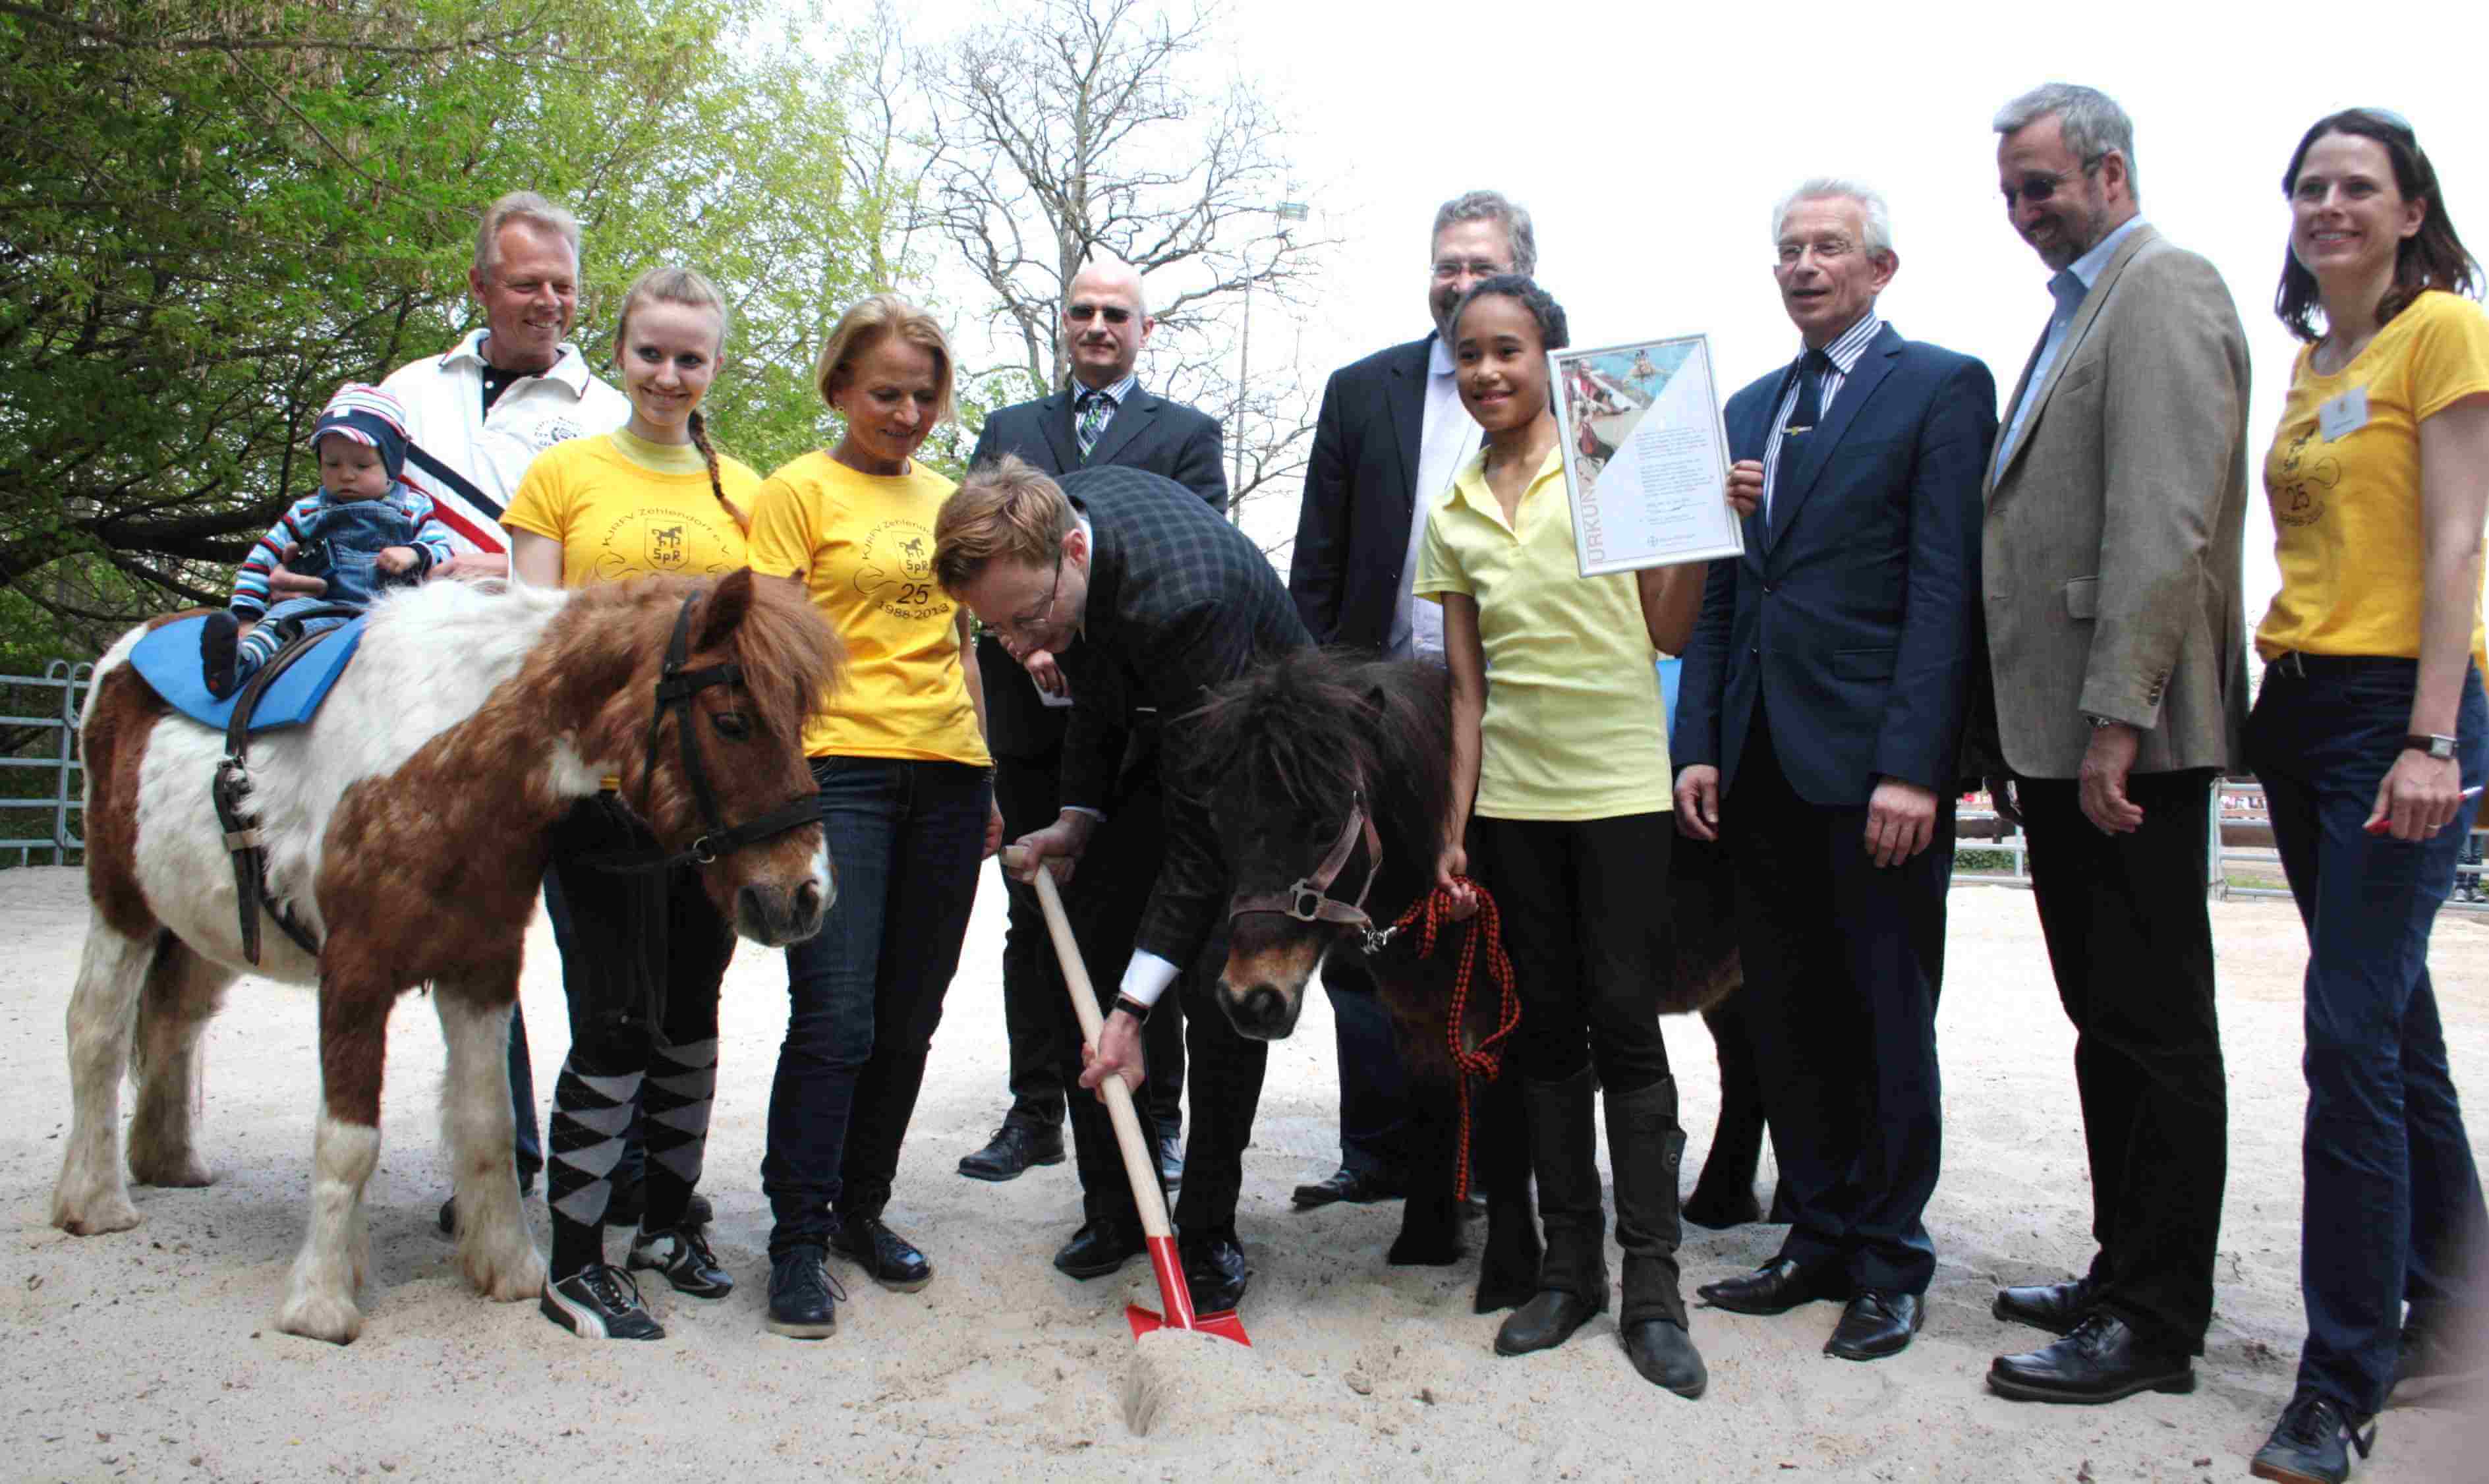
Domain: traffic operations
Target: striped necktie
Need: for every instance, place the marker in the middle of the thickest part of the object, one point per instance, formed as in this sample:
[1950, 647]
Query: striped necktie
[1096, 407]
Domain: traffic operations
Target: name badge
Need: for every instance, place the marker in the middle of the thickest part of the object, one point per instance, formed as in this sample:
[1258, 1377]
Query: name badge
[2344, 415]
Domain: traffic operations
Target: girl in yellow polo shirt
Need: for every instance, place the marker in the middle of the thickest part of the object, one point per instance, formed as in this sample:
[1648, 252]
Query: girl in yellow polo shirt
[1560, 776]
[652, 498]
[2369, 725]
[907, 803]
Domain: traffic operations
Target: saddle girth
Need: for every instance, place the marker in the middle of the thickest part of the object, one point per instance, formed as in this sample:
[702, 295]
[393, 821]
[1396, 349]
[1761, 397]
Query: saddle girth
[231, 792]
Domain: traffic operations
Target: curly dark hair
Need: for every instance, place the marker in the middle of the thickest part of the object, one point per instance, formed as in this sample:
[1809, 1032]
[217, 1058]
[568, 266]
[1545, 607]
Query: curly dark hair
[2433, 259]
[1524, 291]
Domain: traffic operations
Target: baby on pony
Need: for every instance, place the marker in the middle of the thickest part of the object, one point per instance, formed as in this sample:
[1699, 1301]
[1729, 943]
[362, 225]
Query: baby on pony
[361, 531]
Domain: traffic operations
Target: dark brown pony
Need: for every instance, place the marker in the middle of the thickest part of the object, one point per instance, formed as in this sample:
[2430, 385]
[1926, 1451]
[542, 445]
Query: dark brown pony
[407, 828]
[1282, 756]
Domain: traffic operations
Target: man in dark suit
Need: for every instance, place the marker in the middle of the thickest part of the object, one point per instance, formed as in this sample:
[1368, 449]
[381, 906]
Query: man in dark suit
[1103, 417]
[2117, 647]
[1819, 717]
[1167, 600]
[1390, 436]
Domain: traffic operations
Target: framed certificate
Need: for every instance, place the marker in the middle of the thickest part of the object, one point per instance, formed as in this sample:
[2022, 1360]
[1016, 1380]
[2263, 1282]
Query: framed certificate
[1646, 455]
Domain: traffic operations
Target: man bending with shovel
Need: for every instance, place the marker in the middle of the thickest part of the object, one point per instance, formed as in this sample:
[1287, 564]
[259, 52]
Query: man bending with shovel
[1146, 597]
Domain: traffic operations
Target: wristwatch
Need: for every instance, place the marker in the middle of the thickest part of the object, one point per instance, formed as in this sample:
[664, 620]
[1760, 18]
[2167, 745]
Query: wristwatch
[2439, 748]
[2098, 721]
[1132, 1007]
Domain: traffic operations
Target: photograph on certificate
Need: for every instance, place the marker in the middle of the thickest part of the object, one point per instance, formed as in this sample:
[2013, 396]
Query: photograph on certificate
[1646, 457]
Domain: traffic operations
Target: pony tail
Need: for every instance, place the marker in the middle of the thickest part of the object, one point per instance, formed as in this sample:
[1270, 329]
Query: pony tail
[716, 485]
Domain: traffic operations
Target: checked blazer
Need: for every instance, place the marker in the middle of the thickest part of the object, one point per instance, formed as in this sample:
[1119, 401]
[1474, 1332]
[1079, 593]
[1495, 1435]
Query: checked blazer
[1179, 602]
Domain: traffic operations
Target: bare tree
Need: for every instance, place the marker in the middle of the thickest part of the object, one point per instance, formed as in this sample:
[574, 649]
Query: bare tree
[1077, 129]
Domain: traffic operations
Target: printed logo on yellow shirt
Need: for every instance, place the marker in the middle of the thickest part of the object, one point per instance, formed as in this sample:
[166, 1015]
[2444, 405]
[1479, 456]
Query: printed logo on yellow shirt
[897, 572]
[2304, 482]
[656, 542]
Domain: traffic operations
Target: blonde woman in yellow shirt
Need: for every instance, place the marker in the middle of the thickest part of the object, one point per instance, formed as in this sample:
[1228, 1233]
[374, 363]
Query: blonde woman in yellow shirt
[906, 803]
[2369, 726]
[652, 498]
[1561, 778]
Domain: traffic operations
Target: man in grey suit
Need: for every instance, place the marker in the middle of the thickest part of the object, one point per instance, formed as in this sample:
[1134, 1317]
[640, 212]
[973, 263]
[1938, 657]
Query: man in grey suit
[2117, 650]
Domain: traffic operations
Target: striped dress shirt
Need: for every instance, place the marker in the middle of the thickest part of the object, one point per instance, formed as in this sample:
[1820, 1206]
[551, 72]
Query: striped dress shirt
[1844, 352]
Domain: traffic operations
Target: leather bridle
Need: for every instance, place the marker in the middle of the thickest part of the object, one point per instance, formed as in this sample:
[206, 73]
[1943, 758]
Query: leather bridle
[675, 687]
[1308, 898]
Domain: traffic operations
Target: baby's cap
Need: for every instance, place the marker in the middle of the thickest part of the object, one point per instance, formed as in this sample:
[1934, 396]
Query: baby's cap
[370, 416]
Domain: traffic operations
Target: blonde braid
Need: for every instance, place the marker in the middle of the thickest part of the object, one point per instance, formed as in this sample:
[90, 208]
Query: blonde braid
[716, 485]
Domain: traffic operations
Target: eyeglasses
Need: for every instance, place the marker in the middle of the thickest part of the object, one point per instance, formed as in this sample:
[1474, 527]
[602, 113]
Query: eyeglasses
[1083, 314]
[1019, 625]
[2041, 184]
[1830, 249]
[1450, 268]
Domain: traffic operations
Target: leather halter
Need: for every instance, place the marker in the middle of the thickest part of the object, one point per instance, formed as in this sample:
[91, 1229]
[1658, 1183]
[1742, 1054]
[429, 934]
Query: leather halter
[675, 687]
[231, 793]
[1309, 900]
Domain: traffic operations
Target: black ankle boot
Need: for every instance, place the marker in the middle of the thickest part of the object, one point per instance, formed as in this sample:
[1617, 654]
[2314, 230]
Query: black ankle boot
[1648, 1148]
[1573, 1275]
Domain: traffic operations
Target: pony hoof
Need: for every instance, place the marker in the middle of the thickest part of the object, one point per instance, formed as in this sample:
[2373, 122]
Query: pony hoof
[94, 1215]
[505, 1277]
[1720, 1212]
[320, 1317]
[182, 1171]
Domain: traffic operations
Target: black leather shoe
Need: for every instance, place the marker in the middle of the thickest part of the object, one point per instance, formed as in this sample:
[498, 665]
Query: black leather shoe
[2311, 1443]
[1171, 1160]
[1875, 1326]
[1547, 1321]
[886, 1257]
[1775, 1288]
[2056, 1308]
[1216, 1273]
[1354, 1186]
[1014, 1149]
[803, 1297]
[1098, 1248]
[2102, 1360]
[1665, 1355]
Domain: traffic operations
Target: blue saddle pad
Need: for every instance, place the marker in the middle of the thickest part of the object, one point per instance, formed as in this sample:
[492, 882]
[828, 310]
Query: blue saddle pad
[168, 659]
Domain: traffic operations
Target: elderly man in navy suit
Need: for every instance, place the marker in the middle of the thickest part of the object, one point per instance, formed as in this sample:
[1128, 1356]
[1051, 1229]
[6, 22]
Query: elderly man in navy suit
[1819, 716]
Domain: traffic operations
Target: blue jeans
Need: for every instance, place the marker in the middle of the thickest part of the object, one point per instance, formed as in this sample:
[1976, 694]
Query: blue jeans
[866, 992]
[2392, 1203]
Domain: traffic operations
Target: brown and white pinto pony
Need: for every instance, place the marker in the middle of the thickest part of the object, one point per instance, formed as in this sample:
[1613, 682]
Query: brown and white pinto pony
[1279, 757]
[407, 825]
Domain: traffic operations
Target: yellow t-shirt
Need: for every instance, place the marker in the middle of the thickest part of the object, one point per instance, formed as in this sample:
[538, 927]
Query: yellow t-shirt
[623, 507]
[1573, 726]
[863, 545]
[2346, 511]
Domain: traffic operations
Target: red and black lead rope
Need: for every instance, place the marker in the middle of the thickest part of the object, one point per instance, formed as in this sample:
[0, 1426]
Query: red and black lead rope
[1431, 916]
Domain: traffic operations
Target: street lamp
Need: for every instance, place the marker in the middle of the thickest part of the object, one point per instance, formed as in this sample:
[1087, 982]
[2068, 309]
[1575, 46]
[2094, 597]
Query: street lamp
[1285, 212]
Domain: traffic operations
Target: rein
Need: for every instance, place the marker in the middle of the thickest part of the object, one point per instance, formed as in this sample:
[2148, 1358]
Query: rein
[675, 687]
[1432, 917]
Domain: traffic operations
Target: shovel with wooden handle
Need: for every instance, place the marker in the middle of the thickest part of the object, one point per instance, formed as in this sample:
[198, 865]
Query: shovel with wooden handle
[1140, 1167]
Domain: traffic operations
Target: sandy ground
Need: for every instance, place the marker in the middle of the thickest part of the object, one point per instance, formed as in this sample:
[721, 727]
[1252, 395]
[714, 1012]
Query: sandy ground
[150, 1353]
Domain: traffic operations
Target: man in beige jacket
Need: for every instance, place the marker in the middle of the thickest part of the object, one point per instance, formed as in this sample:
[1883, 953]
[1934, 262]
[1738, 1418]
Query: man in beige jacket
[2117, 647]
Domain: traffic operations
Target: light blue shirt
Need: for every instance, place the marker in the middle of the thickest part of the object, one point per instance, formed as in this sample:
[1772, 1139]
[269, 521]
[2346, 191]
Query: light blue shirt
[2068, 287]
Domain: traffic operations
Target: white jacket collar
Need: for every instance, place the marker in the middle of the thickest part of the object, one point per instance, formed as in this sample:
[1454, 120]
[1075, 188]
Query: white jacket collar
[569, 368]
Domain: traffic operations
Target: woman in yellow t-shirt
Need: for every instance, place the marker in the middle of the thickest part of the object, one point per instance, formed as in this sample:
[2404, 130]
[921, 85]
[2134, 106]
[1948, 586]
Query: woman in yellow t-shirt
[653, 496]
[1561, 753]
[906, 802]
[2369, 726]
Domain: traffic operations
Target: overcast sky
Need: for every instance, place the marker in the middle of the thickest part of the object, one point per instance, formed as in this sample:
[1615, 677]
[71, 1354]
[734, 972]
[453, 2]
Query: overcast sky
[1651, 142]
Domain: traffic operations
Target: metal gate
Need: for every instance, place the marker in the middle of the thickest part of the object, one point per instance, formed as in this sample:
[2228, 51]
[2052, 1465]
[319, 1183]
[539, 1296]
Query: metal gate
[44, 786]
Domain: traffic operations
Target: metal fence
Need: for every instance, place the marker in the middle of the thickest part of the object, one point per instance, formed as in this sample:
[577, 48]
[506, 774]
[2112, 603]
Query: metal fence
[43, 787]
[2238, 855]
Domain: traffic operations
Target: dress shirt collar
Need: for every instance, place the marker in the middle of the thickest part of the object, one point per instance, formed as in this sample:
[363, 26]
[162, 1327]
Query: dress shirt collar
[1851, 343]
[1119, 396]
[2088, 267]
[1438, 356]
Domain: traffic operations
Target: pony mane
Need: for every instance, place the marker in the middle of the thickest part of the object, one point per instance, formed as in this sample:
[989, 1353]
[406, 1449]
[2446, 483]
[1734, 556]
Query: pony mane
[1314, 726]
[791, 658]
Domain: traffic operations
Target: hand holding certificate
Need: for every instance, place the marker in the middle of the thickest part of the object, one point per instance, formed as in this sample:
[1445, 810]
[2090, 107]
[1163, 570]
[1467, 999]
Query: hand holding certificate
[1645, 458]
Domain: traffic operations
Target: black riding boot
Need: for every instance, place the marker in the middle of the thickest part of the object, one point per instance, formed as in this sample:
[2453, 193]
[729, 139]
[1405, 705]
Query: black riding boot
[1573, 1275]
[1646, 1146]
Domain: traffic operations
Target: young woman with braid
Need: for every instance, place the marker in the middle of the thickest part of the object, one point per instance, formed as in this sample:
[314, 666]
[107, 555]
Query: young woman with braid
[642, 953]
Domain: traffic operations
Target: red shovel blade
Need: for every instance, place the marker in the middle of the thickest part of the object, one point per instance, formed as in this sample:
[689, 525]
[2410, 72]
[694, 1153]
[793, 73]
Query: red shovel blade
[1226, 1325]
[1177, 1295]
